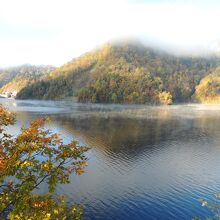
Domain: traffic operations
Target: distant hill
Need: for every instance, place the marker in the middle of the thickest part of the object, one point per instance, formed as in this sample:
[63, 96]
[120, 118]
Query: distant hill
[16, 78]
[208, 90]
[124, 73]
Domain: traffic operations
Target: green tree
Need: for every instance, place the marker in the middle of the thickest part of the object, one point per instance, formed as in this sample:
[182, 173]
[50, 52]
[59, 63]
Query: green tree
[114, 98]
[34, 157]
[83, 95]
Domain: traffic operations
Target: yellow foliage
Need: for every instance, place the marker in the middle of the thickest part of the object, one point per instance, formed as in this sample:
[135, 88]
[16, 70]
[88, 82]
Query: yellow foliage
[208, 90]
[165, 98]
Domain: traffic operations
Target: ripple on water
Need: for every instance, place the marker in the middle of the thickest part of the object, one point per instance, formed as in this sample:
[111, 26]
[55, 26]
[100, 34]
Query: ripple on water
[146, 162]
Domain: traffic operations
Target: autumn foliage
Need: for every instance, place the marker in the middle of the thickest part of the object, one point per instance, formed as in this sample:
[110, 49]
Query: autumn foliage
[208, 90]
[34, 157]
[123, 72]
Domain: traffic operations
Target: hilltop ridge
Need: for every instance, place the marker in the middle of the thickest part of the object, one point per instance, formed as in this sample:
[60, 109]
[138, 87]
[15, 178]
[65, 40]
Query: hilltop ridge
[123, 73]
[116, 72]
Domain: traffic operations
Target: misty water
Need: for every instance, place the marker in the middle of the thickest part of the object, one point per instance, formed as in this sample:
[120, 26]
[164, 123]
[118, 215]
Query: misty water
[145, 162]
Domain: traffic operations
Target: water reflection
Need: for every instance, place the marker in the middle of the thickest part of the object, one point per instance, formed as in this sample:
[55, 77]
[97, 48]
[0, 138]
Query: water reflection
[154, 161]
[145, 163]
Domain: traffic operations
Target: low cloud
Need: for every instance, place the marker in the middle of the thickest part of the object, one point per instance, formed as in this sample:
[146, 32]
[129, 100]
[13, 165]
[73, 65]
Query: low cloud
[55, 31]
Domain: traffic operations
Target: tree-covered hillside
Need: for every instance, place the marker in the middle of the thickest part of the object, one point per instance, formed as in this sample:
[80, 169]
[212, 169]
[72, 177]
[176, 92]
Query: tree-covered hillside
[124, 73]
[16, 78]
[208, 90]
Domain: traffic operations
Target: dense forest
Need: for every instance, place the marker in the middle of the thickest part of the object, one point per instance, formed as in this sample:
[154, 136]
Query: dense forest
[124, 73]
[208, 90]
[16, 78]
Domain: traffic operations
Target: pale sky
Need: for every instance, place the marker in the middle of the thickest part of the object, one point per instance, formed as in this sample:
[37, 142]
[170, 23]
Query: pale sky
[55, 31]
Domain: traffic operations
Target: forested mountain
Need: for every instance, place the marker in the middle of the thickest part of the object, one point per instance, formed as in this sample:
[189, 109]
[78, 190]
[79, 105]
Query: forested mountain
[124, 73]
[16, 78]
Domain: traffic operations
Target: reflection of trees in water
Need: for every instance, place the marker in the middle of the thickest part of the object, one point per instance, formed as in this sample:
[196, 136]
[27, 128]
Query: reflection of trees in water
[133, 136]
[120, 135]
[129, 137]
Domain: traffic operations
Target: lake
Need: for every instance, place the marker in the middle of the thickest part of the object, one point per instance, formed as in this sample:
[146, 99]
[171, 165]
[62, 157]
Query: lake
[145, 162]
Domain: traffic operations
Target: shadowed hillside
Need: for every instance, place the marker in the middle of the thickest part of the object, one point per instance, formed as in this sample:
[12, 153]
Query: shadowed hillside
[16, 78]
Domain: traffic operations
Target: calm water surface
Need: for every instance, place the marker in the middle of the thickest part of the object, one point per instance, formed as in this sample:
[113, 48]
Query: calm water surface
[145, 162]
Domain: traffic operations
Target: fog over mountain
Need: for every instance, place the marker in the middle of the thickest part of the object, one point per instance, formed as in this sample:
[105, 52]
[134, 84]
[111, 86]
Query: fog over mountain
[54, 31]
[124, 72]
